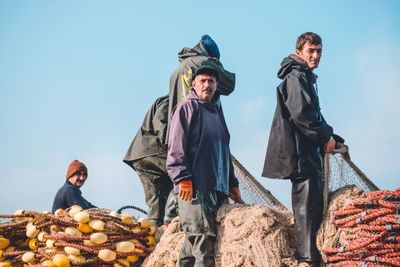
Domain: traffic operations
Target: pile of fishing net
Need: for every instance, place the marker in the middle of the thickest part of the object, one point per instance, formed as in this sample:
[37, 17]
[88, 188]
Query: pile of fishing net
[74, 237]
[248, 235]
[361, 229]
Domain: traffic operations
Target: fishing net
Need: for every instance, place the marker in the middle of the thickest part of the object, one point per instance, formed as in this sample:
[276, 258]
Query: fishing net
[254, 235]
[248, 235]
[251, 190]
[361, 226]
[166, 252]
[76, 237]
[328, 233]
[341, 171]
[363, 230]
[260, 233]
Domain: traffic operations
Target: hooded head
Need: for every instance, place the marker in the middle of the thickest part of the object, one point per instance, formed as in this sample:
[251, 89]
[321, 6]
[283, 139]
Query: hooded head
[210, 46]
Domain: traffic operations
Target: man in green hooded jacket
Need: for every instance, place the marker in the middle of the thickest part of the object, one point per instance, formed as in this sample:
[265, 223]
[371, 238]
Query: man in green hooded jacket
[205, 52]
[147, 155]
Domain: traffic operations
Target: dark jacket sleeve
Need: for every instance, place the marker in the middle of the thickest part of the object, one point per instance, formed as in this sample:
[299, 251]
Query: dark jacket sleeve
[178, 165]
[335, 136]
[74, 197]
[304, 113]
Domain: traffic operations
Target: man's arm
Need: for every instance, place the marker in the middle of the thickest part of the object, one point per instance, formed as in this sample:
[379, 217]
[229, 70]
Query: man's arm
[178, 165]
[234, 191]
[74, 197]
[303, 112]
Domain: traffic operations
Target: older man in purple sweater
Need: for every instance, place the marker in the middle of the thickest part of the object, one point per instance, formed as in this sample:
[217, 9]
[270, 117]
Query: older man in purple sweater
[200, 166]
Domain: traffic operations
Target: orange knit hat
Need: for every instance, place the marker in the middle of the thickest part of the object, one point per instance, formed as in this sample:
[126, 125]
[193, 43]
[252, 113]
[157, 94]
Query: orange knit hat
[75, 166]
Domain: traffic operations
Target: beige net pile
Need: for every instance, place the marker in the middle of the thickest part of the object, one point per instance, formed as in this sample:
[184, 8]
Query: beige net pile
[167, 250]
[244, 230]
[248, 235]
[253, 235]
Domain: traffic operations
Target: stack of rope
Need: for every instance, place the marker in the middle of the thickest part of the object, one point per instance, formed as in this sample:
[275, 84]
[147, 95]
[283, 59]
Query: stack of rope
[371, 231]
[94, 237]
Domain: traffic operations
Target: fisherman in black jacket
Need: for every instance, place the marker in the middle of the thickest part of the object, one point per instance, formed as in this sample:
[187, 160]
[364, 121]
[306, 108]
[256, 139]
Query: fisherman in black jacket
[299, 136]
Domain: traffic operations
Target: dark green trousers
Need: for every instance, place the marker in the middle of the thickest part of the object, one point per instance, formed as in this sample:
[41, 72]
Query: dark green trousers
[156, 184]
[197, 219]
[171, 208]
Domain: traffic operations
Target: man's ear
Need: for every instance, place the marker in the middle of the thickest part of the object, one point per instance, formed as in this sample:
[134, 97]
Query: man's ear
[298, 52]
[193, 83]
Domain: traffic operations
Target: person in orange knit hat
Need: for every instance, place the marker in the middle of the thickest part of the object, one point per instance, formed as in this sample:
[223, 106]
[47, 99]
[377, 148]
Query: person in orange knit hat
[70, 194]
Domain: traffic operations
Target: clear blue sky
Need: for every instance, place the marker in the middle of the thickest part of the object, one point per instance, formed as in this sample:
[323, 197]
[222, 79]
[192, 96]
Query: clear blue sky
[78, 76]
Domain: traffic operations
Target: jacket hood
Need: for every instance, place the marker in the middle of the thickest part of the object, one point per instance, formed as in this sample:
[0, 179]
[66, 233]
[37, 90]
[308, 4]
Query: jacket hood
[290, 63]
[197, 50]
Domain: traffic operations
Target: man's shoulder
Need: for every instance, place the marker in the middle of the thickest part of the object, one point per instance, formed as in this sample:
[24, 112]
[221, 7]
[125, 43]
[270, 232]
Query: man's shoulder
[297, 74]
[186, 108]
[298, 78]
[188, 103]
[68, 187]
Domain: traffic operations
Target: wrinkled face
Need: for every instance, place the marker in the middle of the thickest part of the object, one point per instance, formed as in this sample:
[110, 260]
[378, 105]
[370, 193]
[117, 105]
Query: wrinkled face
[78, 179]
[311, 54]
[205, 85]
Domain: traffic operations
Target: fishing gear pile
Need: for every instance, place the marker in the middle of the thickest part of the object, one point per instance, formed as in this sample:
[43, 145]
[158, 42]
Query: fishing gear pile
[368, 231]
[248, 235]
[74, 237]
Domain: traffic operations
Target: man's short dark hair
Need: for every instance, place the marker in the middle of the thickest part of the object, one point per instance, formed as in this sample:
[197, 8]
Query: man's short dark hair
[308, 37]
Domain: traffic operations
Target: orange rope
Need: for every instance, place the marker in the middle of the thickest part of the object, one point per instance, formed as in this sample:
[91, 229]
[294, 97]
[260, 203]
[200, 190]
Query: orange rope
[375, 217]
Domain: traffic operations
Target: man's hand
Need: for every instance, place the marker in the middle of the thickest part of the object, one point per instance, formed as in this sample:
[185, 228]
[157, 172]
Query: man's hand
[342, 149]
[330, 146]
[234, 194]
[186, 190]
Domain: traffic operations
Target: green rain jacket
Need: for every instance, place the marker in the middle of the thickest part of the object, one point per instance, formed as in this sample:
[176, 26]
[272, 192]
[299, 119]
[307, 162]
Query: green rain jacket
[180, 81]
[151, 138]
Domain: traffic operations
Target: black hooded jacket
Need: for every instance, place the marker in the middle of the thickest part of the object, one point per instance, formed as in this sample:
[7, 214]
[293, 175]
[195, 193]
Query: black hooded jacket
[299, 131]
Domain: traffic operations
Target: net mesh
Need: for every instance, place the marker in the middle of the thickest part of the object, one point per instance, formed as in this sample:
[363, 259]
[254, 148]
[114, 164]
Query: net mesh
[340, 172]
[251, 190]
